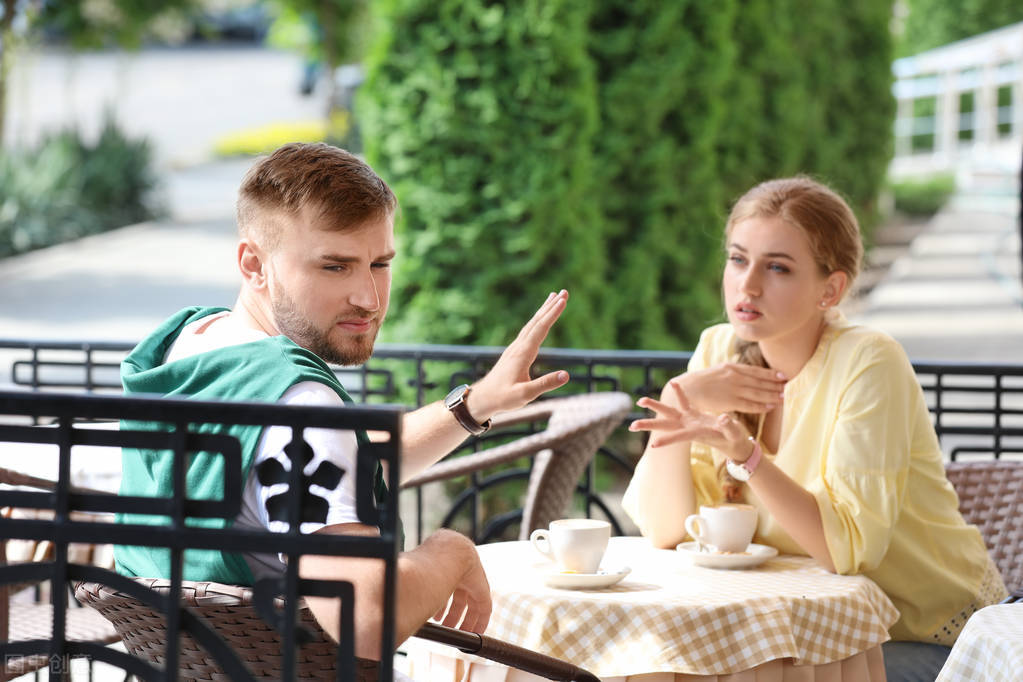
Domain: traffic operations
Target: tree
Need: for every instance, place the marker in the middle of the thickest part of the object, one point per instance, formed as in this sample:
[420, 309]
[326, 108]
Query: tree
[85, 25]
[932, 23]
[482, 117]
[662, 71]
[337, 33]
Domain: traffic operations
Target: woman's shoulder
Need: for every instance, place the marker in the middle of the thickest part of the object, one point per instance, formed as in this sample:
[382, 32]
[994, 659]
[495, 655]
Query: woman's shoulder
[716, 344]
[864, 344]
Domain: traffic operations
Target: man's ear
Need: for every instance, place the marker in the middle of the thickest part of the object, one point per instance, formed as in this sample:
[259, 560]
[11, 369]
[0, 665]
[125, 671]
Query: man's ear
[252, 264]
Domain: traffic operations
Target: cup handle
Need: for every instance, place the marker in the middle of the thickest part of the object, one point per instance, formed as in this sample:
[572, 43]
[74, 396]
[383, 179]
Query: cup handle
[696, 526]
[538, 536]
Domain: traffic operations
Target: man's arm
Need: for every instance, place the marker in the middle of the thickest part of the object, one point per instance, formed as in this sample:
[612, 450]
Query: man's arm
[446, 566]
[432, 431]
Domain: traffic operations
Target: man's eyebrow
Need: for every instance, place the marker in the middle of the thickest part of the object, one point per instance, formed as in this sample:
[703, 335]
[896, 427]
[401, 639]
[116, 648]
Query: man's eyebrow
[338, 258]
[770, 254]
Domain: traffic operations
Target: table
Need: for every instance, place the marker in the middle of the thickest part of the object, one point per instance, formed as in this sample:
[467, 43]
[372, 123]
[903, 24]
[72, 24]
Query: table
[670, 620]
[990, 647]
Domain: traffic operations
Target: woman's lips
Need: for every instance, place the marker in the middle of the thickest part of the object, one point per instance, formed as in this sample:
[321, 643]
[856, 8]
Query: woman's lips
[746, 313]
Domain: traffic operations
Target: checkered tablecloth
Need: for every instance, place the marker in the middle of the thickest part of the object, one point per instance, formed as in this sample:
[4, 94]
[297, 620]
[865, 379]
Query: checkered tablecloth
[990, 647]
[670, 616]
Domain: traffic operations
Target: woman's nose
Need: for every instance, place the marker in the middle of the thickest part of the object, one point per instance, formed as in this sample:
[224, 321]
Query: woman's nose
[750, 282]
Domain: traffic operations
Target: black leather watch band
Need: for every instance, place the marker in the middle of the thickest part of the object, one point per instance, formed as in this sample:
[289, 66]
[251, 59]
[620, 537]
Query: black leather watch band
[455, 401]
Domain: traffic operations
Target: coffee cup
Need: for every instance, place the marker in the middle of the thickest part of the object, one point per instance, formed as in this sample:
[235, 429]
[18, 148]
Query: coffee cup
[725, 528]
[575, 545]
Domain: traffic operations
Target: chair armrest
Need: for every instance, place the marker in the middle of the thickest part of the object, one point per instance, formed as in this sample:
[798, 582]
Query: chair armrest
[503, 652]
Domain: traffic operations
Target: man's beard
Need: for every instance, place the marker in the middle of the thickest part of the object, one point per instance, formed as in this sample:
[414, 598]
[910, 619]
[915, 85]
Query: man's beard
[353, 350]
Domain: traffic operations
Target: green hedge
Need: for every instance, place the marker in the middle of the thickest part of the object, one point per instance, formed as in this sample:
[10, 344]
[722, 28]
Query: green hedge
[482, 117]
[597, 146]
[67, 188]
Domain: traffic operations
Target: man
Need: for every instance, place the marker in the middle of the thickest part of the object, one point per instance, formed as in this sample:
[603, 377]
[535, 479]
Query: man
[315, 248]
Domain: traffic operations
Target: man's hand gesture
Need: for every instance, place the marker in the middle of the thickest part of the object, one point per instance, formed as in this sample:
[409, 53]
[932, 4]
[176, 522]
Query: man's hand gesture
[508, 385]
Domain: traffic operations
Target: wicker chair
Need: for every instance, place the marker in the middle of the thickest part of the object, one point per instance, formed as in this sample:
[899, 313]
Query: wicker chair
[230, 612]
[28, 619]
[991, 497]
[576, 428]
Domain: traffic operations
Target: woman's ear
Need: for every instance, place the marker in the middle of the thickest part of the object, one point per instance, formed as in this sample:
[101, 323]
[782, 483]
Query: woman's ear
[251, 264]
[834, 287]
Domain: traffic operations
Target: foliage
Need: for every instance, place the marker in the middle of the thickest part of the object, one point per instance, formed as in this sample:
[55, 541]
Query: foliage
[811, 93]
[67, 188]
[932, 23]
[923, 197]
[656, 178]
[482, 119]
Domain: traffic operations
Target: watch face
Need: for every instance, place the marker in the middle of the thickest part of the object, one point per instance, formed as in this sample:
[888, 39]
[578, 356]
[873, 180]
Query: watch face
[455, 395]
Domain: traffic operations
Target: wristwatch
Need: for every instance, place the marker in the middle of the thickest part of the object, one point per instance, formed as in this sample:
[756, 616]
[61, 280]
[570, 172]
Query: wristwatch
[455, 401]
[743, 471]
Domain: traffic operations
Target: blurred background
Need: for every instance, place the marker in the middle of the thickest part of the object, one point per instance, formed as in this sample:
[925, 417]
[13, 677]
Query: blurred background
[591, 145]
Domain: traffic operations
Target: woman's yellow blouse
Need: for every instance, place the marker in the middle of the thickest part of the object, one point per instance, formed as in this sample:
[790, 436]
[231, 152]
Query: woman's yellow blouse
[856, 433]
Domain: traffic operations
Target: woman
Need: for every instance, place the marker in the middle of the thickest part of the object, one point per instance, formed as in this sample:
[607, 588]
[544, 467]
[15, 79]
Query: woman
[822, 422]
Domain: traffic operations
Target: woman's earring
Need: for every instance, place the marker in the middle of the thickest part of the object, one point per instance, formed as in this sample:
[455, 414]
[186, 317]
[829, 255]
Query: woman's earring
[823, 304]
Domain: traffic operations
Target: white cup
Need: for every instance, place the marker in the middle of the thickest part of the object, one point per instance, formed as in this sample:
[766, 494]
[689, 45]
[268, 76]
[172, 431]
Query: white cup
[576, 545]
[726, 528]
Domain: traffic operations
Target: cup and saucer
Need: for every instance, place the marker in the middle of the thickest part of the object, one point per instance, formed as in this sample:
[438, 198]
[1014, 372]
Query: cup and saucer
[722, 538]
[576, 547]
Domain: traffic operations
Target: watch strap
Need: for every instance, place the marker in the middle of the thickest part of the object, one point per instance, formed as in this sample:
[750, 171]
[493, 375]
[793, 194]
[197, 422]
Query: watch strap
[744, 471]
[461, 412]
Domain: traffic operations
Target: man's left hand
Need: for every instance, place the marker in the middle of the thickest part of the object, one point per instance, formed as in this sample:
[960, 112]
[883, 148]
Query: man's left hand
[508, 386]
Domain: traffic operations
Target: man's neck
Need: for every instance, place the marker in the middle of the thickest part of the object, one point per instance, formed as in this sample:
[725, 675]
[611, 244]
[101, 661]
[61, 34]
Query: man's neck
[248, 314]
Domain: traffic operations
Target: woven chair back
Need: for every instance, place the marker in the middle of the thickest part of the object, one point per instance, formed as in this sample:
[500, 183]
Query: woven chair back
[584, 422]
[991, 498]
[229, 611]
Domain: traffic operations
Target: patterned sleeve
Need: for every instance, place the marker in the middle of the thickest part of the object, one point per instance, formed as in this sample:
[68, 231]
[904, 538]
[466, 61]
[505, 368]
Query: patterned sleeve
[330, 473]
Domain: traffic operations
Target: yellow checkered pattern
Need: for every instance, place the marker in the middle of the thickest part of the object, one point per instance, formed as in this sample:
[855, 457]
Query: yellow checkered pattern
[670, 616]
[990, 647]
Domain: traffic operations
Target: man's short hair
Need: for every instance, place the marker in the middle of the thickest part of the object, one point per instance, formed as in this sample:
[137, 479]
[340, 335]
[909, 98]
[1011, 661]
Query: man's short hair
[341, 187]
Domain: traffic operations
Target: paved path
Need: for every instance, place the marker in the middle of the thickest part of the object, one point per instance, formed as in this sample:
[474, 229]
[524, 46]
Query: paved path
[956, 294]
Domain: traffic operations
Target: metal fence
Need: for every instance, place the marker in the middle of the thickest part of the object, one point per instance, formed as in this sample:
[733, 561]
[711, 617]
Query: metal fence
[185, 433]
[977, 411]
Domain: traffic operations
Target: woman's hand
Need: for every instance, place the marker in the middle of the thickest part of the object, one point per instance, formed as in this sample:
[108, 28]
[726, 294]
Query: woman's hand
[683, 422]
[733, 387]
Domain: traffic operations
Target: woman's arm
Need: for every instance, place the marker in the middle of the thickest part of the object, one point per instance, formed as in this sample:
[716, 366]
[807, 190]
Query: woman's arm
[677, 424]
[661, 493]
[795, 509]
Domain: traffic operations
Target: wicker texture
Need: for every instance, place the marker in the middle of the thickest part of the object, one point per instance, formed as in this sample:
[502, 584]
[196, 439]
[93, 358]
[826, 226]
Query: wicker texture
[20, 620]
[991, 497]
[576, 428]
[229, 611]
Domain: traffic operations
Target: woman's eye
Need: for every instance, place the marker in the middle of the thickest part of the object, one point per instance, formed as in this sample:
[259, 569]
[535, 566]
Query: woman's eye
[738, 260]
[778, 267]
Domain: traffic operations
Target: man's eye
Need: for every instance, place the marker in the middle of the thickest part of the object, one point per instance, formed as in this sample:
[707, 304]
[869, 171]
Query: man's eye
[335, 268]
[379, 266]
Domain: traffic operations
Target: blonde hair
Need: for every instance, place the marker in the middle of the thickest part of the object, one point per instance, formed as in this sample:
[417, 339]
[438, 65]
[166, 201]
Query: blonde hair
[822, 215]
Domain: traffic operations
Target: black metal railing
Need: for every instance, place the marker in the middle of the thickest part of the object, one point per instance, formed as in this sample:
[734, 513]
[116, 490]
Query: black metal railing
[56, 420]
[977, 410]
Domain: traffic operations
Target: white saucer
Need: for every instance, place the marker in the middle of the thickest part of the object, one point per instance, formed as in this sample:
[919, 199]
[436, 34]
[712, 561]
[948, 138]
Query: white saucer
[754, 556]
[553, 577]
